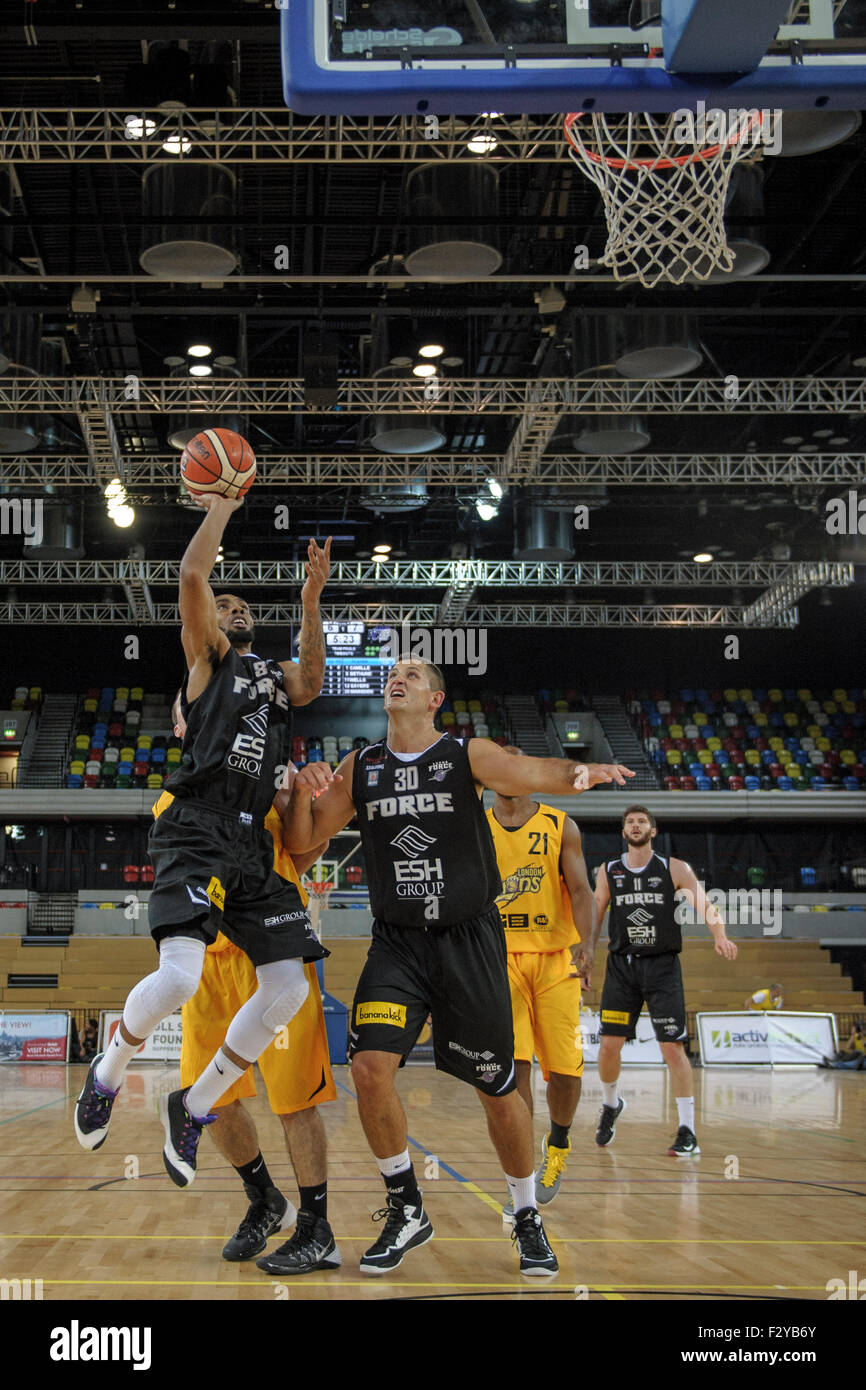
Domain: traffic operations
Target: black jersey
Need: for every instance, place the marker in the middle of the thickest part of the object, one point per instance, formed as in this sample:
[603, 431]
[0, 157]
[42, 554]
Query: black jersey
[238, 737]
[642, 908]
[427, 845]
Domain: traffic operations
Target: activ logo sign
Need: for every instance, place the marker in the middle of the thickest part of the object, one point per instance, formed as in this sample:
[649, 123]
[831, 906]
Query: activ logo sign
[723, 1037]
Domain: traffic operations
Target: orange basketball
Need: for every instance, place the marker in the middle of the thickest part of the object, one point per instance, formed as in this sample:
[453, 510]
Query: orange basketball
[218, 461]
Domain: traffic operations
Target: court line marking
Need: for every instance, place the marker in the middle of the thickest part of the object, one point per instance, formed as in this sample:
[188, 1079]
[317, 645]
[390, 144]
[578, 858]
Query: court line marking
[22, 1113]
[476, 1240]
[265, 1284]
[446, 1167]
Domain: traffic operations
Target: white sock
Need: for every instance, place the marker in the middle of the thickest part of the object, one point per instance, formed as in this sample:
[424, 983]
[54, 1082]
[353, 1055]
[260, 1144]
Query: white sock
[686, 1111]
[109, 1071]
[389, 1167]
[214, 1081]
[608, 1091]
[522, 1192]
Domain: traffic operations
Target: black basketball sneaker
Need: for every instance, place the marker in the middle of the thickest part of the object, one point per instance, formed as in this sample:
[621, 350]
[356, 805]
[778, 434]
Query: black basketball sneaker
[406, 1227]
[182, 1133]
[93, 1110]
[267, 1214]
[685, 1145]
[536, 1256]
[311, 1247]
[607, 1123]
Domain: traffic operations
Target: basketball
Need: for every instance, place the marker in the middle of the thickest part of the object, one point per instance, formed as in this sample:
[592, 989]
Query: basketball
[218, 461]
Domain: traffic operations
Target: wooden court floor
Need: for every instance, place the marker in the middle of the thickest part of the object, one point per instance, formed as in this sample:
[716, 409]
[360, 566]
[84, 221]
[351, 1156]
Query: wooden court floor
[772, 1208]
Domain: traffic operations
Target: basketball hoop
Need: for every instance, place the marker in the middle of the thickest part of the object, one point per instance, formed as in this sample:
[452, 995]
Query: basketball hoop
[663, 182]
[317, 901]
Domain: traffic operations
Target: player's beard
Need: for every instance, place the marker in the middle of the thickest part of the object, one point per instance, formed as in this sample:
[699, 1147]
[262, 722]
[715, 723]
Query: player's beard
[240, 636]
[639, 844]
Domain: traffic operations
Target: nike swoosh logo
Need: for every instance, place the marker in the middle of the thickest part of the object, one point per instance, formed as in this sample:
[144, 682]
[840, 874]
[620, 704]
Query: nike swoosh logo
[258, 1166]
[319, 1195]
[220, 1070]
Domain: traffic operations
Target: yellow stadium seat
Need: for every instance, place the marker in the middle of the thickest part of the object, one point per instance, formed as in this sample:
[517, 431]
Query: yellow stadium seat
[674, 756]
[823, 744]
[705, 756]
[676, 731]
[774, 695]
[847, 756]
[731, 696]
[830, 707]
[791, 721]
[714, 743]
[745, 694]
[804, 695]
[753, 757]
[776, 742]
[840, 694]
[761, 721]
[785, 756]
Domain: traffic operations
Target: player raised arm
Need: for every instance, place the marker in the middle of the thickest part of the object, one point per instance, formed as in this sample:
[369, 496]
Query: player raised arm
[684, 878]
[321, 805]
[516, 775]
[204, 644]
[305, 677]
[572, 866]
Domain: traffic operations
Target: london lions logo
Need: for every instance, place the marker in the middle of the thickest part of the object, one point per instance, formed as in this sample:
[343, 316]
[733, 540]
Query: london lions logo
[413, 841]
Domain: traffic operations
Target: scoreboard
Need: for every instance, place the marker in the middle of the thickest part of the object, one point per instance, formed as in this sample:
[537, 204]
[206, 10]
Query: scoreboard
[355, 662]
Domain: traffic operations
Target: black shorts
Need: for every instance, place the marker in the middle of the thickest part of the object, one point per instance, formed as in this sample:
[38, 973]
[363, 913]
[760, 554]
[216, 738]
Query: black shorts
[632, 980]
[456, 974]
[214, 872]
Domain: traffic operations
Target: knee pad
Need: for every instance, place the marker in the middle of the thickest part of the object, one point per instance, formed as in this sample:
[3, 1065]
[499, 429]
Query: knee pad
[163, 992]
[284, 987]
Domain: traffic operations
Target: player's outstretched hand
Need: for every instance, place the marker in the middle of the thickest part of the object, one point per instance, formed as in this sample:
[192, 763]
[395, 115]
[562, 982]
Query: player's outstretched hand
[318, 567]
[592, 774]
[725, 947]
[315, 778]
[208, 500]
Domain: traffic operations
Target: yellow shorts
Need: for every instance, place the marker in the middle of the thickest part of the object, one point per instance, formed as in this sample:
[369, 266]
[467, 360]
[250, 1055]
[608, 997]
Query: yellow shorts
[296, 1076]
[545, 1001]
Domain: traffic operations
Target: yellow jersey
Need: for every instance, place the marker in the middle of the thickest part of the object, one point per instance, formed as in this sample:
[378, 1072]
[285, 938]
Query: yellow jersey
[284, 864]
[763, 999]
[535, 905]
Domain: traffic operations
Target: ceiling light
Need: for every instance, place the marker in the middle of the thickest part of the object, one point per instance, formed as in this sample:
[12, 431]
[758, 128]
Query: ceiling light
[201, 369]
[793, 439]
[424, 369]
[839, 439]
[122, 516]
[400, 362]
[482, 144]
[703, 557]
[431, 350]
[821, 434]
[137, 127]
[199, 350]
[114, 488]
[452, 361]
[496, 488]
[486, 510]
[177, 144]
[381, 550]
[858, 362]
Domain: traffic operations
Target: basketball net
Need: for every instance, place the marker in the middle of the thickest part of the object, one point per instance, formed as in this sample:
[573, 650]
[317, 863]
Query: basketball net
[318, 899]
[663, 182]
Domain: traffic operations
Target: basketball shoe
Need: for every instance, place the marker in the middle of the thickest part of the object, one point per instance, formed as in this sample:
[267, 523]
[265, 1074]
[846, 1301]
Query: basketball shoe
[182, 1133]
[406, 1227]
[311, 1247]
[607, 1123]
[267, 1214]
[685, 1145]
[549, 1176]
[93, 1110]
[536, 1256]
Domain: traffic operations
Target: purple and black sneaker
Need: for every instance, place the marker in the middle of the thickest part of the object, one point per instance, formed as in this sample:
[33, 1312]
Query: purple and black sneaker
[182, 1133]
[93, 1110]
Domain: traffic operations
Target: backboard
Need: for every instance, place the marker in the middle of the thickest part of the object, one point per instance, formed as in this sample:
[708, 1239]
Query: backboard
[414, 57]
